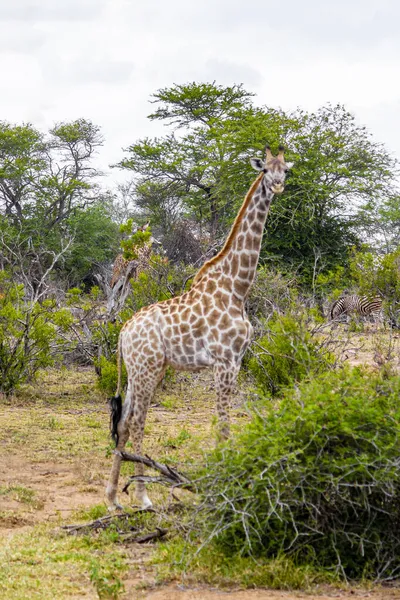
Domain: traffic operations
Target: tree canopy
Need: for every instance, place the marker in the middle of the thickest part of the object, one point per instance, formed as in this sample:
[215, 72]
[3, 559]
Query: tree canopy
[199, 170]
[50, 194]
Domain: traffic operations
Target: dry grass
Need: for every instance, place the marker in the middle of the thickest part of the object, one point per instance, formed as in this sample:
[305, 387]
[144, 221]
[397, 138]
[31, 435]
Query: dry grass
[55, 456]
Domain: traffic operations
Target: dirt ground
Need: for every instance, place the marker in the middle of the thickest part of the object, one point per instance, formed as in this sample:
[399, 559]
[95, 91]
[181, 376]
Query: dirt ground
[56, 487]
[175, 593]
[44, 455]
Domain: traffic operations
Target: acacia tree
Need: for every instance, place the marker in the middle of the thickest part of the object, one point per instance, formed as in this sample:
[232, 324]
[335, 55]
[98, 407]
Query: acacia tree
[200, 171]
[48, 189]
[339, 170]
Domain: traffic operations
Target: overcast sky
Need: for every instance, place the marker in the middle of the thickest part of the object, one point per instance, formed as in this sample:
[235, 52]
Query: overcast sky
[102, 59]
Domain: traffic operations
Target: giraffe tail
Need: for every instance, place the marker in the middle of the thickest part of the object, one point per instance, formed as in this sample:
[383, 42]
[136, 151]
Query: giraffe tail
[115, 403]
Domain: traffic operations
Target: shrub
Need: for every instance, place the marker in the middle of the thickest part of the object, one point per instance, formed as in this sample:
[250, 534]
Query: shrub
[316, 481]
[162, 281]
[287, 353]
[30, 335]
[272, 292]
[105, 336]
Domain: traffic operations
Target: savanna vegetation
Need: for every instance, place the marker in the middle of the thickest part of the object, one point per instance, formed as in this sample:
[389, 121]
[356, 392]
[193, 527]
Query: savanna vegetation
[307, 490]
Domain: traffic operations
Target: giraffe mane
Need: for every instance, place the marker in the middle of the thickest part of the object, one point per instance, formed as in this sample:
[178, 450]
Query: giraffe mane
[232, 233]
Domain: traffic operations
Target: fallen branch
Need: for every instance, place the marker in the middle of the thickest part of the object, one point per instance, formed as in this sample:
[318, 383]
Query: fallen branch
[169, 475]
[148, 537]
[104, 522]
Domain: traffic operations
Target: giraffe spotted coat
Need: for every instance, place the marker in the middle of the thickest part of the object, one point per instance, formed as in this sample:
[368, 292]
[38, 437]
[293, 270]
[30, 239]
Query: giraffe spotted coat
[205, 327]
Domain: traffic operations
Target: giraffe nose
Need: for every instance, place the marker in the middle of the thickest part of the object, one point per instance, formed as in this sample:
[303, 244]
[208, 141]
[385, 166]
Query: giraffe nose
[277, 187]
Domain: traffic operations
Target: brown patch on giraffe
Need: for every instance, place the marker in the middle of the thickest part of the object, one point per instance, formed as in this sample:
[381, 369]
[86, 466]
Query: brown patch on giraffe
[257, 228]
[185, 328]
[245, 261]
[253, 260]
[221, 301]
[240, 242]
[213, 317]
[241, 288]
[244, 274]
[226, 336]
[187, 340]
[238, 344]
[234, 266]
[224, 322]
[185, 314]
[215, 333]
[233, 232]
[207, 304]
[152, 335]
[197, 311]
[226, 283]
[175, 318]
[200, 328]
[228, 354]
[210, 287]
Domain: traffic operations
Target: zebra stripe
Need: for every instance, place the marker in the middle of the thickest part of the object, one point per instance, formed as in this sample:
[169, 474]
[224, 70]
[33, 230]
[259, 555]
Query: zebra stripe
[361, 305]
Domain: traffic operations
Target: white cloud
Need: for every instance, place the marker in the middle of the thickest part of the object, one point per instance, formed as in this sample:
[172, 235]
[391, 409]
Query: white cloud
[102, 59]
[87, 70]
[49, 10]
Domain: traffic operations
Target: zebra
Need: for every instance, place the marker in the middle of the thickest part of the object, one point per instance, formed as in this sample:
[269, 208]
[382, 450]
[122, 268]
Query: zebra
[360, 305]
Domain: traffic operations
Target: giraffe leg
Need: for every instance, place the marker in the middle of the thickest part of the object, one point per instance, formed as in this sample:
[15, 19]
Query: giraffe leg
[123, 435]
[145, 386]
[225, 375]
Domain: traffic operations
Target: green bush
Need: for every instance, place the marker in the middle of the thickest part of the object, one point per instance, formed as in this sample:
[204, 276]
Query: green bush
[31, 335]
[287, 353]
[316, 481]
[162, 281]
[105, 336]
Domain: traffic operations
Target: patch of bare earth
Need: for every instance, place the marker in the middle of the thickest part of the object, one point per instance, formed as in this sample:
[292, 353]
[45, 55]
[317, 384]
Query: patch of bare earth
[204, 593]
[55, 487]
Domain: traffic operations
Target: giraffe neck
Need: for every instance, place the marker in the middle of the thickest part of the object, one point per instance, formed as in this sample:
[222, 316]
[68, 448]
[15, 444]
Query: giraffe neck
[235, 266]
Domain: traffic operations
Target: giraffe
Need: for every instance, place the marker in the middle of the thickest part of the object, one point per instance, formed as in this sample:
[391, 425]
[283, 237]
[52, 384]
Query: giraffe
[126, 269]
[205, 327]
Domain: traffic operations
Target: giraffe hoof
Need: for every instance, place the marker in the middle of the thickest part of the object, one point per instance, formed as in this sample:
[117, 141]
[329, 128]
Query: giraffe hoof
[146, 502]
[114, 506]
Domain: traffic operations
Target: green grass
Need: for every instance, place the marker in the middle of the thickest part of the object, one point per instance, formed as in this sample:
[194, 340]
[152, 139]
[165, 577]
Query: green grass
[43, 565]
[177, 441]
[177, 558]
[171, 402]
[64, 422]
[21, 494]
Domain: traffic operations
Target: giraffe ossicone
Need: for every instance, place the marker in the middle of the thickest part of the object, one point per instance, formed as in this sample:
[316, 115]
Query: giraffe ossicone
[205, 327]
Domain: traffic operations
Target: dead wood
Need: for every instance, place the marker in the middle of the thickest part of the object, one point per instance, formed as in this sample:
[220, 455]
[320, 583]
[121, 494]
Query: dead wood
[142, 539]
[169, 475]
[101, 523]
[104, 522]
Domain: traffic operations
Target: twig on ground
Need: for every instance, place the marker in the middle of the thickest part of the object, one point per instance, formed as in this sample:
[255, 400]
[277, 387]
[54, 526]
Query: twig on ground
[104, 522]
[148, 537]
[101, 523]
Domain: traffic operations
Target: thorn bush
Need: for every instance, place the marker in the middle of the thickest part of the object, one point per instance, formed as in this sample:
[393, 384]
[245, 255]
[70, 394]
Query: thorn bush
[316, 480]
[286, 353]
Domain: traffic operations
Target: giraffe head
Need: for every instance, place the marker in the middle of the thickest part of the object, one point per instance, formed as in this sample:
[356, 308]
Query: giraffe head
[274, 168]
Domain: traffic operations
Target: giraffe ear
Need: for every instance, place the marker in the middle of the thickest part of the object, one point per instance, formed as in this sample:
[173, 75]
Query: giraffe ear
[257, 164]
[289, 165]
